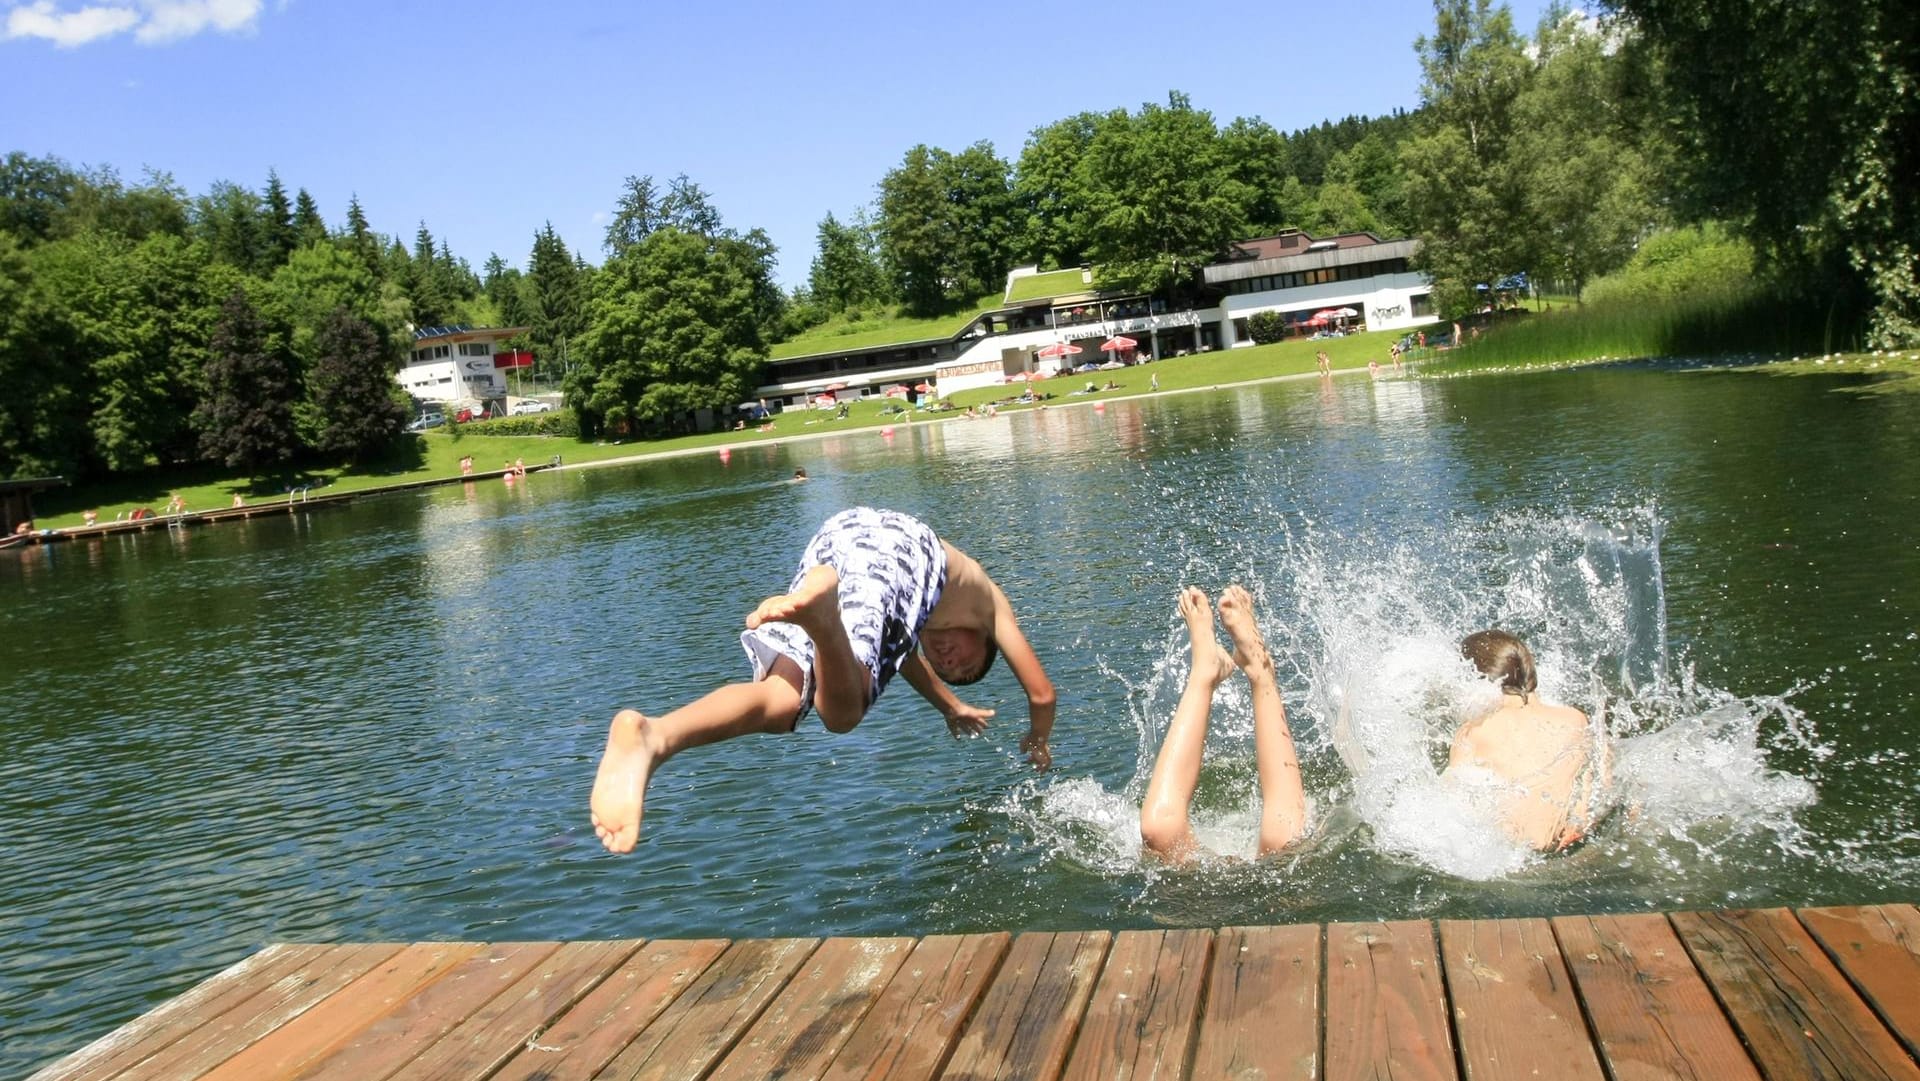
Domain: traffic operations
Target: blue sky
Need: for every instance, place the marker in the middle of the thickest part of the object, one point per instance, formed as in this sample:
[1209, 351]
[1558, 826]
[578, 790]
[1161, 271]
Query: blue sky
[489, 118]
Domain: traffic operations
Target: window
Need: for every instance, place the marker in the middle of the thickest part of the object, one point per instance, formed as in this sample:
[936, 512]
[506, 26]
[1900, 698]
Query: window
[475, 349]
[1422, 304]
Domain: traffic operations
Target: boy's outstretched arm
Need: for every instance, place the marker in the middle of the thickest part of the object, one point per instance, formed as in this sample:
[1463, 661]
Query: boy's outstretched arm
[1033, 679]
[962, 719]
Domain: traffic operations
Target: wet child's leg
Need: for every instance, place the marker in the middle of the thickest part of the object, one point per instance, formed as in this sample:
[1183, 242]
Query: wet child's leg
[1283, 801]
[637, 744]
[840, 681]
[1166, 829]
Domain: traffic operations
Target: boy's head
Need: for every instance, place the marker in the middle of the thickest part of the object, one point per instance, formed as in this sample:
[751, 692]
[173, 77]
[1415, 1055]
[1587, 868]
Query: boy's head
[1502, 658]
[958, 655]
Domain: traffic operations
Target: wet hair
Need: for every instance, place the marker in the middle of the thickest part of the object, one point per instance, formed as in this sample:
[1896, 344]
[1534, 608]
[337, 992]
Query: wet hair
[986, 665]
[1502, 658]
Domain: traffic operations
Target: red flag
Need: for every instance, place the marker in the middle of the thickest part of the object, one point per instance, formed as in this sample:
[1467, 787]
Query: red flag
[518, 358]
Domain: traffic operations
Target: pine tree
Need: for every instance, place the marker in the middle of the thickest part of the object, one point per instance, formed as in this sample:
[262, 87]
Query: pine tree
[353, 388]
[246, 419]
[278, 239]
[362, 241]
[308, 226]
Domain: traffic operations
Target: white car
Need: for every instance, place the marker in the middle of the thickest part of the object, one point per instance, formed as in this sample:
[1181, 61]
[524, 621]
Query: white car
[523, 408]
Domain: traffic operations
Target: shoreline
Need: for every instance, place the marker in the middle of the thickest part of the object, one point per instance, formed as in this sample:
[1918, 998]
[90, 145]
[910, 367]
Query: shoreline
[293, 504]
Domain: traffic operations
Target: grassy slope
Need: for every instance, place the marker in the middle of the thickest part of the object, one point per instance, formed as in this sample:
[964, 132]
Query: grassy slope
[436, 454]
[881, 328]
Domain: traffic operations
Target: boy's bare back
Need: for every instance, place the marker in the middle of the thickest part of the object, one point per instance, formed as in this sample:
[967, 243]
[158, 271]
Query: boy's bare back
[1542, 754]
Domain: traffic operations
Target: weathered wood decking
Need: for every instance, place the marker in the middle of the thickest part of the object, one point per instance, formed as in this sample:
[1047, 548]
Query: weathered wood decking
[1777, 994]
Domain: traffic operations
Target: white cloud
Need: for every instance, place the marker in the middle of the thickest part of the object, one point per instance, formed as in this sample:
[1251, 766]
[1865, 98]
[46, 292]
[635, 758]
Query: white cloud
[152, 22]
[68, 29]
[171, 20]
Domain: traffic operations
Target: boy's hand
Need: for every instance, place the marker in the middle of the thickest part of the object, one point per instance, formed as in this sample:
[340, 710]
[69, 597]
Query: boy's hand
[966, 722]
[1035, 745]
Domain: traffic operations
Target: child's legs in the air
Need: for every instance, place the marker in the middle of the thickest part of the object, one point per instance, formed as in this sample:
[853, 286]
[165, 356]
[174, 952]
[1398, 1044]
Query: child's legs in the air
[1283, 801]
[1166, 827]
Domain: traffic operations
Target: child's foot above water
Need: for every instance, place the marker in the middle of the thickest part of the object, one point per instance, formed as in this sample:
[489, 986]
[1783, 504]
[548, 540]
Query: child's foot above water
[1249, 648]
[1208, 662]
[620, 787]
[814, 605]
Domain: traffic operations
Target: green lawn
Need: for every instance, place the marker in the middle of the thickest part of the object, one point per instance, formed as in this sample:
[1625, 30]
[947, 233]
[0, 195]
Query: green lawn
[1052, 283]
[880, 328]
[436, 455]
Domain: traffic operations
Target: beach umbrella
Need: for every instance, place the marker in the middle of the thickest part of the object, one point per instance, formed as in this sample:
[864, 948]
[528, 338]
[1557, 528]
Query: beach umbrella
[1059, 349]
[923, 388]
[1117, 342]
[895, 391]
[1344, 313]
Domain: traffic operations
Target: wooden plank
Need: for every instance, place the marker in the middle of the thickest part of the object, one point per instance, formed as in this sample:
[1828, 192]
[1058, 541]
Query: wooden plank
[1514, 1010]
[911, 1030]
[1027, 1018]
[415, 1027]
[589, 1035]
[506, 1024]
[1145, 1009]
[1878, 947]
[1386, 1006]
[310, 988]
[1653, 1015]
[817, 1012]
[704, 1023]
[300, 1041]
[1263, 1005]
[186, 1012]
[1797, 1013]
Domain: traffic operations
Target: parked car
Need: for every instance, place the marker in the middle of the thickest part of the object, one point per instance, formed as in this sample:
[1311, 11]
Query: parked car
[529, 406]
[427, 420]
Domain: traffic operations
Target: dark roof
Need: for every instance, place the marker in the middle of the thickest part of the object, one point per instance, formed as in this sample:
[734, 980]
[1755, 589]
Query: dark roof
[421, 334]
[1296, 242]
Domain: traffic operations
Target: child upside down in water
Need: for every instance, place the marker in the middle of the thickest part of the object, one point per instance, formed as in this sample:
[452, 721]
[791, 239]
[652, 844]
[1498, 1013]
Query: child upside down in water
[1166, 830]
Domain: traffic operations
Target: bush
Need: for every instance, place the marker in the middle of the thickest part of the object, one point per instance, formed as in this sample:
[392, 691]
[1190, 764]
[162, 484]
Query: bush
[1266, 327]
[1679, 263]
[560, 422]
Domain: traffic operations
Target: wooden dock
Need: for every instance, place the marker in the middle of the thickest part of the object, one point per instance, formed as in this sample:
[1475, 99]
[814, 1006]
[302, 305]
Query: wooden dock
[1777, 994]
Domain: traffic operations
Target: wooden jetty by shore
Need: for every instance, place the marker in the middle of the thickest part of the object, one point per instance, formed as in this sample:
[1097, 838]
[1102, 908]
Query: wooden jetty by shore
[1776, 994]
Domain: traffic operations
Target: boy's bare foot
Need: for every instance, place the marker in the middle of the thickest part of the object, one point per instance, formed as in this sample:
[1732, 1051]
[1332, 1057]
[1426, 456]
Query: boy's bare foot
[620, 788]
[1208, 662]
[815, 605]
[1249, 648]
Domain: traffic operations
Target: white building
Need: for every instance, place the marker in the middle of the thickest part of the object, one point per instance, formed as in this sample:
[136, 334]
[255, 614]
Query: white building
[459, 364]
[1298, 276]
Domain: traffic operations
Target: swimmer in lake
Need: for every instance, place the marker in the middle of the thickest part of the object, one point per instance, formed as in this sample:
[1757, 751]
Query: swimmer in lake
[1541, 759]
[1166, 830]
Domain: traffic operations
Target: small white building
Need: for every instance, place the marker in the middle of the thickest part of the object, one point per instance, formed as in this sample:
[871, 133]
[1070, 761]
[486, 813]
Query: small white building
[1296, 276]
[459, 364]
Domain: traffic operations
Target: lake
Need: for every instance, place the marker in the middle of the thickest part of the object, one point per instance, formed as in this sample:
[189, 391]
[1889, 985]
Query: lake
[381, 721]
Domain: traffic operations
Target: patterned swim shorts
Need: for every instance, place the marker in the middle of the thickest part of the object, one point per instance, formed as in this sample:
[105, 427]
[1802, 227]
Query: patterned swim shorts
[892, 568]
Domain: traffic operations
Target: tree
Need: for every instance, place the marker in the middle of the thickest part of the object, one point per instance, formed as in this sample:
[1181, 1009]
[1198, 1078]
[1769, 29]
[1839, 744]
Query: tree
[846, 273]
[914, 234]
[670, 330]
[643, 208]
[229, 220]
[34, 196]
[555, 298]
[981, 222]
[352, 388]
[1163, 198]
[1587, 187]
[1803, 122]
[426, 285]
[246, 420]
[1051, 194]
[1464, 197]
[278, 236]
[362, 241]
[308, 225]
[1257, 157]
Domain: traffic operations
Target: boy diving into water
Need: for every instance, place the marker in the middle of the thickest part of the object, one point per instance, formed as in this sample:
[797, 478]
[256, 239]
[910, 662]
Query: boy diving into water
[877, 592]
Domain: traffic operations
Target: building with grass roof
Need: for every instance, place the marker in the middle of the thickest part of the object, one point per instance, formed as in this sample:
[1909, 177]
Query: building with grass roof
[1047, 322]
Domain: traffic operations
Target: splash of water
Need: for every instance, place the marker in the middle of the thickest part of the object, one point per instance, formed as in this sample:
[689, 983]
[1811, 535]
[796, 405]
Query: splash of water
[1366, 636]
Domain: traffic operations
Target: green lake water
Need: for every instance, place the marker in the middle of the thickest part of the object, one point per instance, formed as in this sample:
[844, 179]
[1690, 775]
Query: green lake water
[381, 721]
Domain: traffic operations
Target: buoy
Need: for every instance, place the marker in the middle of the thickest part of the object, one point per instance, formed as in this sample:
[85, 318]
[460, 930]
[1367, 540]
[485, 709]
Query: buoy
[887, 431]
[726, 455]
[1099, 407]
